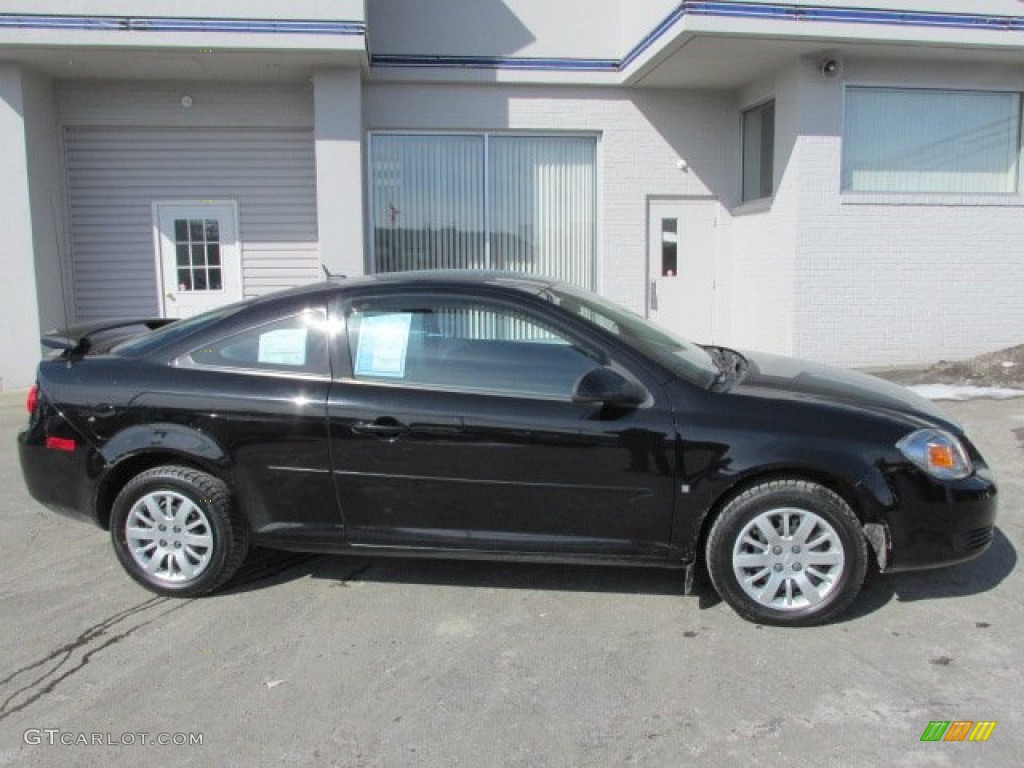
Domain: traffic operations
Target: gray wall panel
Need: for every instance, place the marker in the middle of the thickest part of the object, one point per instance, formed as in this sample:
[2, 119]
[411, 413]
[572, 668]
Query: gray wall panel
[115, 173]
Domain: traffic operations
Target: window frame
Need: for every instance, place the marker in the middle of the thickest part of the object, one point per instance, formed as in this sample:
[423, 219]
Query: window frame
[756, 107]
[486, 136]
[1013, 198]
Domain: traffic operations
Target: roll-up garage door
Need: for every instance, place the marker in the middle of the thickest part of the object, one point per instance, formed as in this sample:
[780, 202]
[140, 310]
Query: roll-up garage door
[116, 174]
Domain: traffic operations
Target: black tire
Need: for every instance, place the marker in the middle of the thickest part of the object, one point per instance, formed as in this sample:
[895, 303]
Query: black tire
[203, 540]
[771, 578]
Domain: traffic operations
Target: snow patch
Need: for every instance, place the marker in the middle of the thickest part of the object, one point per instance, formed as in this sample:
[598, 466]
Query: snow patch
[964, 392]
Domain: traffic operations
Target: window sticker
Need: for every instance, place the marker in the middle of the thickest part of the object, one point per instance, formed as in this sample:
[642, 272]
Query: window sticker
[285, 346]
[383, 343]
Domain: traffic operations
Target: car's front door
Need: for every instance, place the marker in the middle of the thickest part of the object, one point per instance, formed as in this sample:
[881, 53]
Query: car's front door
[452, 426]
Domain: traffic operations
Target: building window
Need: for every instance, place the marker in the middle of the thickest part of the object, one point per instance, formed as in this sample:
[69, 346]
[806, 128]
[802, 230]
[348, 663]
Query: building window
[931, 141]
[759, 151]
[481, 201]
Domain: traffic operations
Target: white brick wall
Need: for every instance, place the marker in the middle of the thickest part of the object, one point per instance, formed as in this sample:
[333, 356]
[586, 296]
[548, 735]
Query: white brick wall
[642, 135]
[809, 272]
[758, 302]
[900, 280]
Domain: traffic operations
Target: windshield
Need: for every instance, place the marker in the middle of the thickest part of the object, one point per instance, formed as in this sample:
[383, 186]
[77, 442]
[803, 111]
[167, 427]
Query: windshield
[140, 345]
[683, 358]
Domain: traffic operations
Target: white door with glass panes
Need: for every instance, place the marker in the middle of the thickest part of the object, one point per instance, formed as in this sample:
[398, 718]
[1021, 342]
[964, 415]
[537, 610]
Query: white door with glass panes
[683, 244]
[198, 256]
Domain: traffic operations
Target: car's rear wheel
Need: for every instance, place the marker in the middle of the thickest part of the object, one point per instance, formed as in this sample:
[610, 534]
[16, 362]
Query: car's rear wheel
[787, 552]
[174, 530]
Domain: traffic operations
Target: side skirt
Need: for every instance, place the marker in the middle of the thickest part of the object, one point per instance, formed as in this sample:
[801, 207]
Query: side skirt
[332, 541]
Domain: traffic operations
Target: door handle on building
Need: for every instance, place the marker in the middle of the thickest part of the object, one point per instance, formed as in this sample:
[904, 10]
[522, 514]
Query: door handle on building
[654, 295]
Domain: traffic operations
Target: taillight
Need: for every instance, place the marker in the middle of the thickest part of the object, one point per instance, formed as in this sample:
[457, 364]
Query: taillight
[33, 399]
[60, 444]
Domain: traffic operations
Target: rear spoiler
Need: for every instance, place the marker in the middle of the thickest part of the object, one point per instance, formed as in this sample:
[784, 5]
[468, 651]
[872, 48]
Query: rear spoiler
[77, 338]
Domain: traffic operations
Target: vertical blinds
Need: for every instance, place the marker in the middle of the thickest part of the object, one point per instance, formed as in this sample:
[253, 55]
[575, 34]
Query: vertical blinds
[516, 203]
[920, 140]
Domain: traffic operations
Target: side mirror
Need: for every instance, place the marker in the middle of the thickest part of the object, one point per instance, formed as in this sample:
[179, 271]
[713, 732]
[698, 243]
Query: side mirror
[607, 386]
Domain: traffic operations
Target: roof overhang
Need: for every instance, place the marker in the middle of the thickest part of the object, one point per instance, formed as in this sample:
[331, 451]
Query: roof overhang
[698, 44]
[727, 44]
[163, 48]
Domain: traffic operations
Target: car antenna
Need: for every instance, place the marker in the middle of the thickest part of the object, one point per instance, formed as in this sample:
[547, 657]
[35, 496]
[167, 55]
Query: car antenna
[330, 275]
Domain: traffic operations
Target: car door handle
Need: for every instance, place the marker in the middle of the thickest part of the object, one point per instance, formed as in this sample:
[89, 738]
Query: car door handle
[383, 427]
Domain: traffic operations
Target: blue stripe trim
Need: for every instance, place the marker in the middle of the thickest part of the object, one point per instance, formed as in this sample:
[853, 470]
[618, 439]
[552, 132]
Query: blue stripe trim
[157, 24]
[495, 62]
[726, 9]
[853, 15]
[653, 36]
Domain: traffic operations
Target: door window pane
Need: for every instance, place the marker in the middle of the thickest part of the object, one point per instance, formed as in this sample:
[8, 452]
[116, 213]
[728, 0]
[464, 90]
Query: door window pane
[465, 347]
[197, 246]
[920, 140]
[759, 152]
[519, 203]
[669, 247]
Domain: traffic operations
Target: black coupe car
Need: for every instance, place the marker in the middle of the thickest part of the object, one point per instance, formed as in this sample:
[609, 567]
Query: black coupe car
[493, 416]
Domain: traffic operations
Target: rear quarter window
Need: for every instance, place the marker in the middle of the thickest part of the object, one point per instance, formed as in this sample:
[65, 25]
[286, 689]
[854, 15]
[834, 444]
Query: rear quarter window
[294, 344]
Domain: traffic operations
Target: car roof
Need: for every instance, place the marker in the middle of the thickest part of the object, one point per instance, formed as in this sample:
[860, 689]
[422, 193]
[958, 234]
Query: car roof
[441, 278]
[337, 286]
[435, 277]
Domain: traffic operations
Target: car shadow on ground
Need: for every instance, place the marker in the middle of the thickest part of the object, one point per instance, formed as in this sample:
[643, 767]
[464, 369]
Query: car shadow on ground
[267, 568]
[982, 574]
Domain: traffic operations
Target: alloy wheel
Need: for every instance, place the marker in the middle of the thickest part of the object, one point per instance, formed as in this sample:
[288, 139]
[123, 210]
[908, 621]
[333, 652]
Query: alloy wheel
[788, 559]
[169, 536]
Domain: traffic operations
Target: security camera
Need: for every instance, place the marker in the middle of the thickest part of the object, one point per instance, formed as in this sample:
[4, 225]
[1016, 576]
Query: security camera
[829, 67]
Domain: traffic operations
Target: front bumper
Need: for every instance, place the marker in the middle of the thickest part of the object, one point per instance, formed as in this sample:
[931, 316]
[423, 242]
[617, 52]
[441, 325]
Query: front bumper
[935, 523]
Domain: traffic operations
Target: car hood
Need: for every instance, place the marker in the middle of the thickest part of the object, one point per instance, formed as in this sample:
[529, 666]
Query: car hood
[775, 375]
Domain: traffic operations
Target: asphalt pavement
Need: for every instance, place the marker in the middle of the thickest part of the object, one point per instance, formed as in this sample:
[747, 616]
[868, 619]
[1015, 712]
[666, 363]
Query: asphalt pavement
[339, 661]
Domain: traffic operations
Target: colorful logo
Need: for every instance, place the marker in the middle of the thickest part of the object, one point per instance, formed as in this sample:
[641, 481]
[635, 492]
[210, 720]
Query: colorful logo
[958, 730]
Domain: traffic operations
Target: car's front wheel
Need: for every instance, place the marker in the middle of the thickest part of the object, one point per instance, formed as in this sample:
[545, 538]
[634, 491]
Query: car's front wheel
[787, 552]
[175, 532]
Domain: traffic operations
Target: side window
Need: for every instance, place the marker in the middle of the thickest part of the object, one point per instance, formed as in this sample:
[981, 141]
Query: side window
[758, 152]
[295, 344]
[464, 347]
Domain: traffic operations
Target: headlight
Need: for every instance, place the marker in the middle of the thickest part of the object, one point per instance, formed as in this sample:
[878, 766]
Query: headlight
[938, 453]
